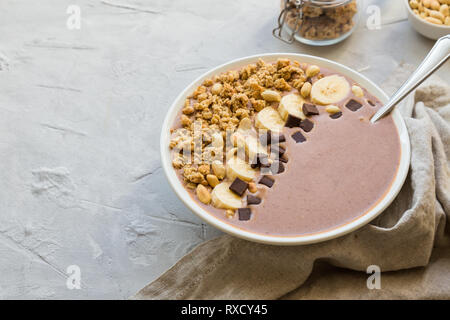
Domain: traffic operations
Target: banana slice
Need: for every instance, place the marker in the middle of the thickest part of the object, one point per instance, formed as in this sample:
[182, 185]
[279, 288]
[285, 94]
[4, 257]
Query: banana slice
[269, 119]
[246, 139]
[236, 167]
[291, 104]
[223, 198]
[329, 90]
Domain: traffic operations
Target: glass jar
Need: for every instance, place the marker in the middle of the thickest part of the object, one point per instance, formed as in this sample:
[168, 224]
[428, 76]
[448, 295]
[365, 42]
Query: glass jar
[317, 22]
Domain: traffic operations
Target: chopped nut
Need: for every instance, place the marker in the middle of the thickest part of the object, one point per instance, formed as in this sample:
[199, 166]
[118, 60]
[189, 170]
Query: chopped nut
[357, 91]
[212, 180]
[332, 109]
[306, 89]
[203, 194]
[229, 213]
[252, 187]
[312, 71]
[271, 96]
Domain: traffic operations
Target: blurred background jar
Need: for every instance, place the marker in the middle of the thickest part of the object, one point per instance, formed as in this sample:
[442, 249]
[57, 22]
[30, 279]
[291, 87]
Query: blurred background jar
[317, 22]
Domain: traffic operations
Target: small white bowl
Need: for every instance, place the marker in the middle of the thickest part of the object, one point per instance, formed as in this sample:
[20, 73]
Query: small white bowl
[425, 28]
[365, 218]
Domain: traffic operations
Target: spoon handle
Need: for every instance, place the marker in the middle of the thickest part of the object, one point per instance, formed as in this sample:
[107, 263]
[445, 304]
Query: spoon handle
[438, 55]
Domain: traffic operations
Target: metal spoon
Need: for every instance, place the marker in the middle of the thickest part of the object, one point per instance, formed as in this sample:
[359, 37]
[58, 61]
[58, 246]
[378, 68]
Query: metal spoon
[438, 55]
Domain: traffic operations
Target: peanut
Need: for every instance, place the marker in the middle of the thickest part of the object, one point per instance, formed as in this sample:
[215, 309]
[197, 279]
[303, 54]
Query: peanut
[433, 11]
[229, 213]
[252, 187]
[332, 109]
[357, 91]
[414, 4]
[218, 169]
[212, 180]
[435, 5]
[433, 20]
[203, 194]
[306, 89]
[437, 15]
[271, 96]
[312, 71]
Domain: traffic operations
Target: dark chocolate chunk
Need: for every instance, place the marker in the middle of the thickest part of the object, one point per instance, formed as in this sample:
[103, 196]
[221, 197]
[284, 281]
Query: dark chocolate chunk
[307, 125]
[244, 214]
[353, 105]
[277, 167]
[310, 110]
[284, 159]
[239, 186]
[267, 181]
[281, 138]
[336, 115]
[260, 160]
[267, 138]
[253, 199]
[264, 161]
[292, 121]
[298, 137]
[277, 150]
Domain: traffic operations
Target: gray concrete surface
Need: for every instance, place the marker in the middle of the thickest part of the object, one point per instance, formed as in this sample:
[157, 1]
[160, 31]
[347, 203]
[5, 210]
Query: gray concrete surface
[80, 117]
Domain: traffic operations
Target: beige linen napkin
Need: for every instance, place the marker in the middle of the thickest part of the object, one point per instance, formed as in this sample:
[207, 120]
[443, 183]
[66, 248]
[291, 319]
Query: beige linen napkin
[411, 233]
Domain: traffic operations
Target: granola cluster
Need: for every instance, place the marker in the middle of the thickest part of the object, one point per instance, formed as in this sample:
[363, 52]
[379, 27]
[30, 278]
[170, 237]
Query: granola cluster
[324, 23]
[219, 104]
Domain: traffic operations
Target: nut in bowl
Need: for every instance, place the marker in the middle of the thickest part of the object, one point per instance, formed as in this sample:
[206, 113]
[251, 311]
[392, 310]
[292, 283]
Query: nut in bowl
[431, 18]
[279, 149]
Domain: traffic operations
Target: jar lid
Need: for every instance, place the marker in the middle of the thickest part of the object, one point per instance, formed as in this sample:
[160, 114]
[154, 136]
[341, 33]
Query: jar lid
[325, 3]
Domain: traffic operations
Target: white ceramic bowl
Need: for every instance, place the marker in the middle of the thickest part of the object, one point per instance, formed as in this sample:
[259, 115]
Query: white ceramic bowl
[285, 240]
[425, 28]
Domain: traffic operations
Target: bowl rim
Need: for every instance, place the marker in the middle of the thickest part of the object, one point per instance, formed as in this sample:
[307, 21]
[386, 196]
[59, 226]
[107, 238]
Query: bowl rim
[411, 13]
[324, 235]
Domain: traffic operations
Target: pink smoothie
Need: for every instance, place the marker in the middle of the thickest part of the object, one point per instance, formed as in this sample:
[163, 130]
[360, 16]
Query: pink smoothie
[345, 167]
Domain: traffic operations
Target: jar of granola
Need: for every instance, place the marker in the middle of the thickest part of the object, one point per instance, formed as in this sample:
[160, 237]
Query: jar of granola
[317, 22]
